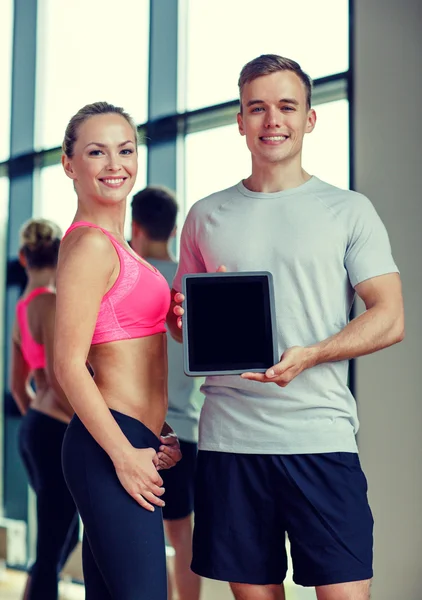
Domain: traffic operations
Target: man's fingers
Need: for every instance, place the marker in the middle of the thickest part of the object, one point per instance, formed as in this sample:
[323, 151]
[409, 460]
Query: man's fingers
[178, 297]
[166, 460]
[222, 269]
[179, 311]
[254, 376]
[179, 322]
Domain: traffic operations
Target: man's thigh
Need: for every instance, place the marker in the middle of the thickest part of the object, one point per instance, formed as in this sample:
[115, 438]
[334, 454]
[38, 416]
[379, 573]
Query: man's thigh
[328, 519]
[239, 534]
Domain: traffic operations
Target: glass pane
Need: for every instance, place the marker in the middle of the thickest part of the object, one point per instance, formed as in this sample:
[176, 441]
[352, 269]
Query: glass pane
[56, 199]
[86, 53]
[223, 36]
[326, 149]
[219, 158]
[4, 211]
[6, 40]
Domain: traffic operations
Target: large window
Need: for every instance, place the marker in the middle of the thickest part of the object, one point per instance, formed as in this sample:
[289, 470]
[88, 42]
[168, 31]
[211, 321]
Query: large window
[89, 51]
[6, 34]
[218, 158]
[224, 35]
[56, 199]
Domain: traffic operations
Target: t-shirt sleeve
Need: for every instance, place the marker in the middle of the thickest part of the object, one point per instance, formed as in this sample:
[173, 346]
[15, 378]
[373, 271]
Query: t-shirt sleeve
[368, 252]
[190, 259]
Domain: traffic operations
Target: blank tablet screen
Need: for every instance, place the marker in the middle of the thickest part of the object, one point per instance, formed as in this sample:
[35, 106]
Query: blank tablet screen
[228, 323]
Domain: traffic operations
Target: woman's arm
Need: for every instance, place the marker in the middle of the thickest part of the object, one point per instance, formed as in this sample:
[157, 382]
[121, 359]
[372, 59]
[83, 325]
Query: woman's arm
[20, 378]
[87, 262]
[48, 316]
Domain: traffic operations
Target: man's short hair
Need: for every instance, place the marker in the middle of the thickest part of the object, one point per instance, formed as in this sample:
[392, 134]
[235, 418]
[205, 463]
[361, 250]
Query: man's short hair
[155, 210]
[266, 64]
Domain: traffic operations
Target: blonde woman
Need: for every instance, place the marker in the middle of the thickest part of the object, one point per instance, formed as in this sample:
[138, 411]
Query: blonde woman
[46, 411]
[111, 312]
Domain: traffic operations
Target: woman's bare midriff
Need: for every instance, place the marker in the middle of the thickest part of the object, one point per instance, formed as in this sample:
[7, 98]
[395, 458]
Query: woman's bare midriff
[132, 377]
[46, 400]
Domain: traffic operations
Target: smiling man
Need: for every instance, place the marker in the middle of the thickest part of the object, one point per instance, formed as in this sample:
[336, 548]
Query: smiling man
[277, 450]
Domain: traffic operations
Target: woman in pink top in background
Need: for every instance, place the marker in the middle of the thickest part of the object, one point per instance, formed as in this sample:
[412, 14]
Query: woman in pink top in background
[111, 312]
[46, 410]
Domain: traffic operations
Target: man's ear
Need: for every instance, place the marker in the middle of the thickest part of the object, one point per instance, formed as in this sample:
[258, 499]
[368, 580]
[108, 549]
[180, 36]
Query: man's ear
[68, 167]
[311, 121]
[240, 123]
[134, 229]
[137, 230]
[22, 259]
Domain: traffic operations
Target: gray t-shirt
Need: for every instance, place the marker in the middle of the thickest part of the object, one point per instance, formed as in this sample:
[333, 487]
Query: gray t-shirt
[319, 242]
[185, 399]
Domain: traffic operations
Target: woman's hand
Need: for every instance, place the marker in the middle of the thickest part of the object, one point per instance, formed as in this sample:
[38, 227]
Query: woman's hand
[137, 472]
[179, 298]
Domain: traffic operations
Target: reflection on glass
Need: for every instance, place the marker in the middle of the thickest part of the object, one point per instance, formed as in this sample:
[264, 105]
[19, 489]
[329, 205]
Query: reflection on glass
[4, 210]
[57, 201]
[223, 36]
[88, 52]
[6, 39]
[218, 158]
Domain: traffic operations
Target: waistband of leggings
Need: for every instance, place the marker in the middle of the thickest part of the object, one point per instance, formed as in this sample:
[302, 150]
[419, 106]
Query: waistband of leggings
[131, 427]
[33, 414]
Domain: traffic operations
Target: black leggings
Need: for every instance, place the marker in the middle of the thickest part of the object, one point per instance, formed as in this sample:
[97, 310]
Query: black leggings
[40, 445]
[123, 547]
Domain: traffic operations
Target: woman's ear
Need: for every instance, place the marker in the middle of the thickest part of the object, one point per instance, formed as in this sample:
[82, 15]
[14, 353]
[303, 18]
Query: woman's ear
[22, 259]
[67, 166]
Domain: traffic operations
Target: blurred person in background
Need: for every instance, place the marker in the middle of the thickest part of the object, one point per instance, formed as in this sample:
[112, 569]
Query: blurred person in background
[46, 411]
[154, 213]
[111, 312]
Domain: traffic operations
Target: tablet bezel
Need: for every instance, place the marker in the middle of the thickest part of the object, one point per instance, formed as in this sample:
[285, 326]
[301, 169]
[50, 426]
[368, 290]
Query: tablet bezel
[185, 325]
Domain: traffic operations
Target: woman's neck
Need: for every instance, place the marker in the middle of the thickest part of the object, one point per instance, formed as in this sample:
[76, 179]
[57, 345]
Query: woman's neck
[41, 278]
[111, 218]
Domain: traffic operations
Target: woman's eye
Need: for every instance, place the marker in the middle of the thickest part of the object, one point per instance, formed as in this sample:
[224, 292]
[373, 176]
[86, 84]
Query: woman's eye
[127, 151]
[95, 152]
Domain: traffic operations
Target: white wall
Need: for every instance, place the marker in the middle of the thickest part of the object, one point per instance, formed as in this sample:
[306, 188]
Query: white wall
[388, 159]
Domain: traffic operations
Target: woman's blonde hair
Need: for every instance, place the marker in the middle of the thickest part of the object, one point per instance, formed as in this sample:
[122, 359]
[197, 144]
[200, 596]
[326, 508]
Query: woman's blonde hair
[39, 243]
[85, 113]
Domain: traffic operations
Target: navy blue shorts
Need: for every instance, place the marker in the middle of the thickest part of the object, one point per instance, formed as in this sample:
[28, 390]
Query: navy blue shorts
[245, 504]
[179, 483]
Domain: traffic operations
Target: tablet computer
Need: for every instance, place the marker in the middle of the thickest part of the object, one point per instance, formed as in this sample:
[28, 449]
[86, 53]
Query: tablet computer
[229, 324]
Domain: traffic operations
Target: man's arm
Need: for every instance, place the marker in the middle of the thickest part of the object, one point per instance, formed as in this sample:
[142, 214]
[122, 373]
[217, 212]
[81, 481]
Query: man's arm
[380, 326]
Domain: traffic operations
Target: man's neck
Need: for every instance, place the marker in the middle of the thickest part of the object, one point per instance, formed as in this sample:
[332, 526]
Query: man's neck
[150, 249]
[275, 177]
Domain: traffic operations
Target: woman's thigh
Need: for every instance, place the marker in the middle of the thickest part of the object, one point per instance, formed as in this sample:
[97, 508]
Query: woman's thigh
[127, 541]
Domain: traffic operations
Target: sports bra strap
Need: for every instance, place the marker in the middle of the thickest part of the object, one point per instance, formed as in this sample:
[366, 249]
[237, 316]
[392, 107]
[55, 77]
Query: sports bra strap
[88, 224]
[35, 293]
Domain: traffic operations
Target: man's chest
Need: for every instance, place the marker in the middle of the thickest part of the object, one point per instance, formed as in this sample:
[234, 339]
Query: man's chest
[262, 239]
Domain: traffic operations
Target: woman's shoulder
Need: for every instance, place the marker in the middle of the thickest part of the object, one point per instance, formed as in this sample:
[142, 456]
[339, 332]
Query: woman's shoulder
[86, 239]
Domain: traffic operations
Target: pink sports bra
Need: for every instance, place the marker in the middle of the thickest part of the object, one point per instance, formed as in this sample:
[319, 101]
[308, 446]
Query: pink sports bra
[33, 352]
[137, 304]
